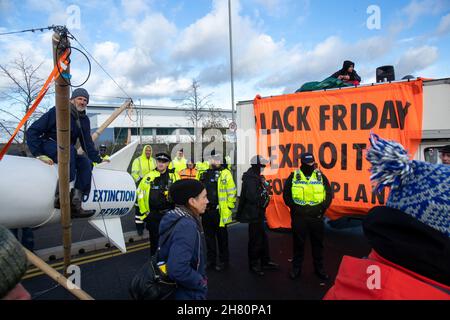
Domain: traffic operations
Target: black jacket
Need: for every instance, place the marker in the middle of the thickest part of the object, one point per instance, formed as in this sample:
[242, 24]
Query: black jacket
[44, 129]
[343, 72]
[321, 208]
[407, 242]
[253, 197]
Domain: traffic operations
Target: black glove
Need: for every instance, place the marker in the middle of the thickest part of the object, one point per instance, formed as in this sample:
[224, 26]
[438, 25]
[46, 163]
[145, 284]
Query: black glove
[140, 228]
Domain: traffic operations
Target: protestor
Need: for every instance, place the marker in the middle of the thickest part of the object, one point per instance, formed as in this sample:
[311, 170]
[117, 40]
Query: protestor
[307, 193]
[190, 172]
[410, 236]
[221, 191]
[179, 163]
[252, 206]
[348, 73]
[185, 250]
[13, 265]
[444, 154]
[141, 166]
[153, 197]
[41, 140]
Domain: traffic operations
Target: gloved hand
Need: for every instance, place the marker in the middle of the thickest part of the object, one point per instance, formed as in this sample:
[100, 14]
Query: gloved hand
[45, 159]
[140, 228]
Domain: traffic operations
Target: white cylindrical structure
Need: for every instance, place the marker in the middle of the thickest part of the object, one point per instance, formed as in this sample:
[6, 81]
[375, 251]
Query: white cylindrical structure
[27, 192]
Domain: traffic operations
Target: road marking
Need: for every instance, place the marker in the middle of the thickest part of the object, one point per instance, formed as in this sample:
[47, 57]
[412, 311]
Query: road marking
[31, 273]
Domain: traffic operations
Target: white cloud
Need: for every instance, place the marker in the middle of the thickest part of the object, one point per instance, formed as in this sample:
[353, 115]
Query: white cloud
[415, 60]
[444, 25]
[418, 8]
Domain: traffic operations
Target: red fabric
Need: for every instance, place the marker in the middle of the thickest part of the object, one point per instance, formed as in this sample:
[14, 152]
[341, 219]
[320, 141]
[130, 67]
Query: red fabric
[396, 282]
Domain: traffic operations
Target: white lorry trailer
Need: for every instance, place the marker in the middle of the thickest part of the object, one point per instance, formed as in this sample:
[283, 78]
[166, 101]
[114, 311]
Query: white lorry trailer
[435, 125]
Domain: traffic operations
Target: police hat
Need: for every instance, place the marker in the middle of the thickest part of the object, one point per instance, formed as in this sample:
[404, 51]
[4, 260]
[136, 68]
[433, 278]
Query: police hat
[307, 158]
[162, 156]
[102, 147]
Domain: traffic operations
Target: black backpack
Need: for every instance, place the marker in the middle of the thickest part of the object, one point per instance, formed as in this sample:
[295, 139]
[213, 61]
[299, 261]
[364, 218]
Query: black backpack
[150, 283]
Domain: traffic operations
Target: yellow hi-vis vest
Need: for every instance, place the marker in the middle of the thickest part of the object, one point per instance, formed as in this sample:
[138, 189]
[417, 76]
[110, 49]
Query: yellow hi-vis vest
[307, 192]
[201, 167]
[143, 192]
[226, 192]
[178, 164]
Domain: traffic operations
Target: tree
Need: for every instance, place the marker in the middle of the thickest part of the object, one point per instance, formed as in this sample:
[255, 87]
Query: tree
[214, 118]
[196, 104]
[25, 85]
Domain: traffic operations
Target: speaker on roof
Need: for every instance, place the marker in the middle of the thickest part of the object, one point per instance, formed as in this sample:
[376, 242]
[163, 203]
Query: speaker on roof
[385, 73]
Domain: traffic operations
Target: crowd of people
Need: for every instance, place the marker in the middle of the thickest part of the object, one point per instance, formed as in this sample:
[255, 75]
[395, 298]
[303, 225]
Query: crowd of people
[187, 206]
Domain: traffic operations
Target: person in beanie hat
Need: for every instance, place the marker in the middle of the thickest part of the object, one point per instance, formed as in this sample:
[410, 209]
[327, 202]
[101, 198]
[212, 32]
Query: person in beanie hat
[42, 142]
[13, 264]
[252, 206]
[410, 236]
[184, 250]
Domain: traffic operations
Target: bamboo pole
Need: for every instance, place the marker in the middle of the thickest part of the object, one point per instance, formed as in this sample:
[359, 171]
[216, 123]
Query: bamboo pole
[62, 96]
[56, 276]
[111, 118]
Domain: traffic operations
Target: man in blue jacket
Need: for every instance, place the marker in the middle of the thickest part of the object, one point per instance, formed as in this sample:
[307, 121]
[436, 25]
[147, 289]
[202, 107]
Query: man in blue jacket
[41, 140]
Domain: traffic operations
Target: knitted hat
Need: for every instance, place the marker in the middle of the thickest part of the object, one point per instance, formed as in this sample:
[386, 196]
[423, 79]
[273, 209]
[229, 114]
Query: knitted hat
[13, 261]
[80, 92]
[418, 188]
[182, 190]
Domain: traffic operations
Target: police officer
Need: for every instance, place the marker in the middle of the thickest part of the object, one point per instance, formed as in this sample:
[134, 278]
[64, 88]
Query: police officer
[103, 154]
[253, 202]
[140, 167]
[221, 192]
[307, 193]
[153, 197]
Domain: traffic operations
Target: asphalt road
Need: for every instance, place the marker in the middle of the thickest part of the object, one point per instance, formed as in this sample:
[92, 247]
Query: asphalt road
[106, 277]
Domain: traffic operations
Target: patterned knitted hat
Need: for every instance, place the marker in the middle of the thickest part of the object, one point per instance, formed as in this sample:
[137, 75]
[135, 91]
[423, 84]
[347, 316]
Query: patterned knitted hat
[13, 262]
[418, 188]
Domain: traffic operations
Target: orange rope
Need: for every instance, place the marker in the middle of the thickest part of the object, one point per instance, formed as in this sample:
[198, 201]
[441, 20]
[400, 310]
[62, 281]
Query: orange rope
[54, 74]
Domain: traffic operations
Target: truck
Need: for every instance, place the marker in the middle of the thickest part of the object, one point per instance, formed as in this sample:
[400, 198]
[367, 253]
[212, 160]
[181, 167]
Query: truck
[435, 124]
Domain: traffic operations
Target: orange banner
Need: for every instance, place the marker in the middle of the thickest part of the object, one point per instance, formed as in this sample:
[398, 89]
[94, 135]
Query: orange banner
[335, 126]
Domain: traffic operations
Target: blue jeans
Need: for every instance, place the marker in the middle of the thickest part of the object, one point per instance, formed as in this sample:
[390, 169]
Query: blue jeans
[80, 166]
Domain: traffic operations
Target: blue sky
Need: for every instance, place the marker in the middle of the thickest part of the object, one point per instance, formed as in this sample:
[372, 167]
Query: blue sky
[155, 48]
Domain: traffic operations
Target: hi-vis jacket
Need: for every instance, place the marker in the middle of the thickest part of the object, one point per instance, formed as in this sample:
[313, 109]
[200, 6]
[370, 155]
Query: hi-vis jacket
[143, 192]
[188, 173]
[142, 165]
[178, 164]
[201, 167]
[308, 192]
[226, 191]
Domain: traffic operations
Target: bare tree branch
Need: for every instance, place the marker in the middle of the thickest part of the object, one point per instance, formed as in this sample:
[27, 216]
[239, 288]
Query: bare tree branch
[25, 87]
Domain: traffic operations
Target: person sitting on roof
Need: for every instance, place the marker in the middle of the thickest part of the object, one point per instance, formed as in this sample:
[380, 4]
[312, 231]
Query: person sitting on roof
[347, 74]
